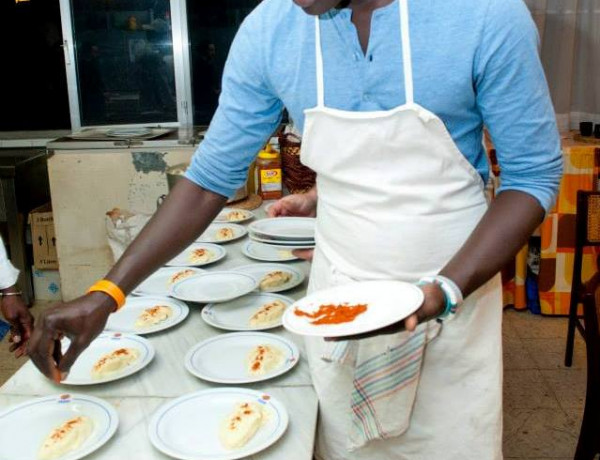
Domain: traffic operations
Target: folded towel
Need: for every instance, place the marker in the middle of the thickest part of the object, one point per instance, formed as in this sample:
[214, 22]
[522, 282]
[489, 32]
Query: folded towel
[386, 376]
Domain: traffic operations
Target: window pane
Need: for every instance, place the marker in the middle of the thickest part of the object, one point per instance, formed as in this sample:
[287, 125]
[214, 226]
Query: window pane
[124, 55]
[211, 28]
[33, 80]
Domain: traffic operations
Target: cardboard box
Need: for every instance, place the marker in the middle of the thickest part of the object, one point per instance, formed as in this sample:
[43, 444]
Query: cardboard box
[43, 238]
[46, 284]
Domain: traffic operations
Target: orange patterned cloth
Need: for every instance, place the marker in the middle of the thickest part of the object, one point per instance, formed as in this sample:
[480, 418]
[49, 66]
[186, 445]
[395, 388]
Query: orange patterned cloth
[581, 172]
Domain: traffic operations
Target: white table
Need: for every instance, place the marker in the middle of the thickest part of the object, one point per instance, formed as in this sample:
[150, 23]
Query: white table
[138, 396]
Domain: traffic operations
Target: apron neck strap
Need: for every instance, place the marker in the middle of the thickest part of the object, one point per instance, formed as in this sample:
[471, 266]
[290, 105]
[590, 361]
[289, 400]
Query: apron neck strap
[406, 53]
[406, 57]
[319, 59]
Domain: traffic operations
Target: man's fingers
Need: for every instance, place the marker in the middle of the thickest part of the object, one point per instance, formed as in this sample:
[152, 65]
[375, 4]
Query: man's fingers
[21, 351]
[393, 329]
[27, 326]
[15, 336]
[411, 323]
[306, 254]
[77, 346]
[41, 352]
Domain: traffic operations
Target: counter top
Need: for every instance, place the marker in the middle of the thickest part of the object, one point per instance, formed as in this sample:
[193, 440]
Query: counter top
[18, 139]
[177, 137]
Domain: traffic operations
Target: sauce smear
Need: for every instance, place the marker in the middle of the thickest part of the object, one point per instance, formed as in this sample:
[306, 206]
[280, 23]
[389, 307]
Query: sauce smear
[333, 314]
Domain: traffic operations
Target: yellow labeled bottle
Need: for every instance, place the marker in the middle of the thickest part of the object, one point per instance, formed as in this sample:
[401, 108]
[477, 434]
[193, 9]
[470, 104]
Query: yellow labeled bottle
[268, 166]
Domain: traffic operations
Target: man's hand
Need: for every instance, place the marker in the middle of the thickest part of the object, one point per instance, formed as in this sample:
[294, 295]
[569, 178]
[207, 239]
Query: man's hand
[433, 306]
[17, 314]
[81, 320]
[297, 205]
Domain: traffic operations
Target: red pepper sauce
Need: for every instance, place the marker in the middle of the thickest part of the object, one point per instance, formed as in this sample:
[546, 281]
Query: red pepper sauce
[333, 314]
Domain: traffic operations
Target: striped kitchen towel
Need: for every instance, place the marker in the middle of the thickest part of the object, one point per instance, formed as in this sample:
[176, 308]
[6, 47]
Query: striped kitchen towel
[386, 375]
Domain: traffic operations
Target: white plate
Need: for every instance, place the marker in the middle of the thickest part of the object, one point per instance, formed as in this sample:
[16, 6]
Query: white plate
[210, 235]
[222, 217]
[273, 240]
[107, 342]
[306, 244]
[188, 427]
[234, 315]
[222, 359]
[258, 271]
[387, 303]
[158, 284]
[285, 228]
[269, 206]
[266, 252]
[124, 320]
[182, 260]
[128, 132]
[25, 427]
[214, 287]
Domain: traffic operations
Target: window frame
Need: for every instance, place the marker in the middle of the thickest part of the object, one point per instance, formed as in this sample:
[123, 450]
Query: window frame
[181, 63]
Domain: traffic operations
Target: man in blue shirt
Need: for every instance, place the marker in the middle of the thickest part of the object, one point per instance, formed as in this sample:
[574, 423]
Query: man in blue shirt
[421, 98]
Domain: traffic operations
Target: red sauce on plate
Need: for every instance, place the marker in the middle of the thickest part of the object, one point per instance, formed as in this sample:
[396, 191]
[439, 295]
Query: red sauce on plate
[333, 314]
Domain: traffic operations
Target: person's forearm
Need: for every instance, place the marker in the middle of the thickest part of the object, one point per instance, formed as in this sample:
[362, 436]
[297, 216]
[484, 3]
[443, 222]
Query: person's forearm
[182, 217]
[504, 229]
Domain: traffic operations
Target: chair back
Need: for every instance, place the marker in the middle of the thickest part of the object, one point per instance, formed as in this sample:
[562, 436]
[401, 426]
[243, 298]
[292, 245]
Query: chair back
[588, 218]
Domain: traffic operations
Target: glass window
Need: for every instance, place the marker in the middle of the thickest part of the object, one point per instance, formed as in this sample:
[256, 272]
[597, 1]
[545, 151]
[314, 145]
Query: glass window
[33, 83]
[124, 56]
[211, 28]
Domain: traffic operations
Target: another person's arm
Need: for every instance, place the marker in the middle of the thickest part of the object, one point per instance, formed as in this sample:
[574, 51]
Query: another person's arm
[13, 308]
[248, 113]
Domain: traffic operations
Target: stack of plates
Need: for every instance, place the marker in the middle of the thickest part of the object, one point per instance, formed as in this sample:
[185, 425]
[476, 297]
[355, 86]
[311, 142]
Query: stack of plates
[284, 232]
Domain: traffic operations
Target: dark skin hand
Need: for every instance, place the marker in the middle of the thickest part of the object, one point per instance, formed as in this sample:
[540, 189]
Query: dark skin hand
[17, 314]
[504, 229]
[183, 216]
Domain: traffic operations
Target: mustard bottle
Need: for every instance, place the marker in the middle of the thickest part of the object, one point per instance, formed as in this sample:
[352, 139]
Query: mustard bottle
[268, 166]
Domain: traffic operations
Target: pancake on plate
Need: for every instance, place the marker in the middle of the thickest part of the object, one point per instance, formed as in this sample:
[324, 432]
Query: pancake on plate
[114, 361]
[274, 280]
[263, 359]
[180, 275]
[200, 256]
[234, 215]
[224, 234]
[284, 254]
[241, 425]
[152, 316]
[268, 314]
[66, 437]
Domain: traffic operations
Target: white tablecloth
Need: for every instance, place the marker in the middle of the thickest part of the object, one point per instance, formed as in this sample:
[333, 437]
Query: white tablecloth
[138, 396]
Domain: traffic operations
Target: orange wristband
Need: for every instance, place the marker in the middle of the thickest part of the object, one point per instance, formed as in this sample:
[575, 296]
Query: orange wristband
[110, 289]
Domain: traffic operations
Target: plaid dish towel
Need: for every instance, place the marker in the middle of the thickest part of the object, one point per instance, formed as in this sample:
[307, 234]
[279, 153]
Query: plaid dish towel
[386, 375]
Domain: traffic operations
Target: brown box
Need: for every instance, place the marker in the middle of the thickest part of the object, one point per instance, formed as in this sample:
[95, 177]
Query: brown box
[43, 239]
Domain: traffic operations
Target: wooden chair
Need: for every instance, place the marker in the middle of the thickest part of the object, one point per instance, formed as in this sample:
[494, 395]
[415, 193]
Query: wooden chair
[587, 233]
[589, 439]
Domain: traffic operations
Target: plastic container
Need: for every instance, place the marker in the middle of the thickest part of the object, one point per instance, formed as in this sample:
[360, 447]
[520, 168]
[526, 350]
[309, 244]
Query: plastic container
[268, 167]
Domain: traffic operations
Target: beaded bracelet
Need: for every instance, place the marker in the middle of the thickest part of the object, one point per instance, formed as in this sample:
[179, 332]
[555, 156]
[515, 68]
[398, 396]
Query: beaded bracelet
[452, 293]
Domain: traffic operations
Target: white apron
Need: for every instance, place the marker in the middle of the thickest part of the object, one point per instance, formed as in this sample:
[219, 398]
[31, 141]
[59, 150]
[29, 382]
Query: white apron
[397, 200]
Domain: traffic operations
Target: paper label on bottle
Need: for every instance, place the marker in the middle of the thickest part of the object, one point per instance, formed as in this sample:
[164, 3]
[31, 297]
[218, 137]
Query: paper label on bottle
[270, 180]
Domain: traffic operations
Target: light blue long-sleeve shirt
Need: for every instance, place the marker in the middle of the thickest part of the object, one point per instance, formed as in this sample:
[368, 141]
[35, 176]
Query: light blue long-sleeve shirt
[475, 63]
